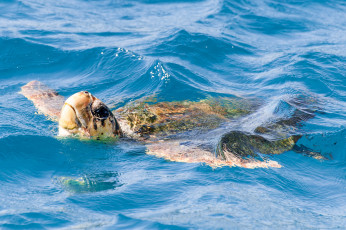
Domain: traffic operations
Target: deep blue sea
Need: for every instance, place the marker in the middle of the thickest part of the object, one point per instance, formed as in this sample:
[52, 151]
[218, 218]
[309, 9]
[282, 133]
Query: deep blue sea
[121, 51]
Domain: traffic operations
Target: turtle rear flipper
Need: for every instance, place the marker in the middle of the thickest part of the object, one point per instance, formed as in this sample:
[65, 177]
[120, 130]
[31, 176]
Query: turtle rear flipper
[46, 100]
[243, 147]
[243, 144]
[308, 152]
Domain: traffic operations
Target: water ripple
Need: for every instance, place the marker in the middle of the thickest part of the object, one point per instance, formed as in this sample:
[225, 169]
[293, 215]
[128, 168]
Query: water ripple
[275, 52]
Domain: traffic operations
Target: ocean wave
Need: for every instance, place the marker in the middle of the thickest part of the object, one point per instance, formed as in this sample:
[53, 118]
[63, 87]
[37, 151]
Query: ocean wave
[286, 55]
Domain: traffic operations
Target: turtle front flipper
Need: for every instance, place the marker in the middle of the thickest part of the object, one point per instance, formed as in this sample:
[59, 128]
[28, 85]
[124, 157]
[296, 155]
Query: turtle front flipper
[46, 100]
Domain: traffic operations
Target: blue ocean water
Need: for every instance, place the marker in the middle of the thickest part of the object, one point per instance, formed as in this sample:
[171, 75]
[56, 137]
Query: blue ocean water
[177, 50]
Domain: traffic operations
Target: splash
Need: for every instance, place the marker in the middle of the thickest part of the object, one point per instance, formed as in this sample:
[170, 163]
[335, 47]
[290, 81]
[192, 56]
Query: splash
[158, 71]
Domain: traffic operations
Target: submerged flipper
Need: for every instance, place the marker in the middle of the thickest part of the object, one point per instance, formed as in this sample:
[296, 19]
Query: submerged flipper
[46, 100]
[308, 152]
[90, 183]
[245, 145]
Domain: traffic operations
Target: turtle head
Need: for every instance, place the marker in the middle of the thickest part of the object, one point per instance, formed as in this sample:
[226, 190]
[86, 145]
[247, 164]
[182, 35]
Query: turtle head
[85, 115]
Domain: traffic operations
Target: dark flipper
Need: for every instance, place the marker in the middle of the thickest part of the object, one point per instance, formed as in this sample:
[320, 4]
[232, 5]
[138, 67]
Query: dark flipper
[245, 145]
[308, 152]
[242, 144]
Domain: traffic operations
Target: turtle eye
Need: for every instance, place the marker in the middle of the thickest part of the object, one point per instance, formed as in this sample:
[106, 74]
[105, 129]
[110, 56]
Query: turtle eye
[101, 112]
[86, 92]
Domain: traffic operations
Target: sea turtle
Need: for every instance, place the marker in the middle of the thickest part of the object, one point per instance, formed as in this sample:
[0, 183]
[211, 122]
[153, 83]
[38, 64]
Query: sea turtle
[177, 131]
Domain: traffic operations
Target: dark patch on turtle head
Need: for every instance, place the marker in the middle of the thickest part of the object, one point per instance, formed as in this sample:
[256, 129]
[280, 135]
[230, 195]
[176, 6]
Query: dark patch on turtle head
[100, 111]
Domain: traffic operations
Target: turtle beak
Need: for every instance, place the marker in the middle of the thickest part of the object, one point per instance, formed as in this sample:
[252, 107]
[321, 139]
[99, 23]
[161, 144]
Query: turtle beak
[85, 114]
[76, 111]
[82, 108]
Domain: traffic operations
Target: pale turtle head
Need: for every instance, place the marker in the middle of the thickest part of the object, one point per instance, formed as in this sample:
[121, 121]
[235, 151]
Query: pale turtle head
[85, 115]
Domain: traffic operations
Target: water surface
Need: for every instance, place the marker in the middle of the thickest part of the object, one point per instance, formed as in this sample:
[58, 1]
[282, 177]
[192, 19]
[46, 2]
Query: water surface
[178, 50]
